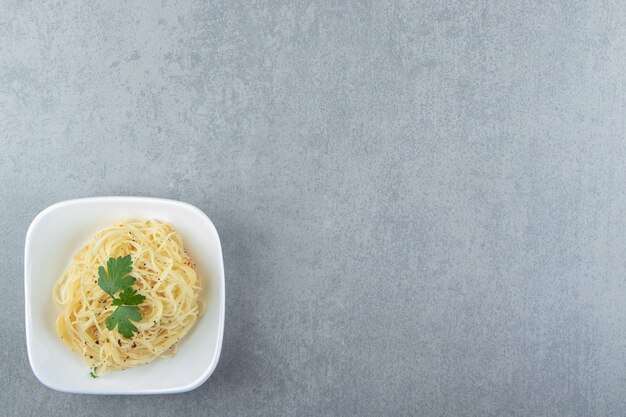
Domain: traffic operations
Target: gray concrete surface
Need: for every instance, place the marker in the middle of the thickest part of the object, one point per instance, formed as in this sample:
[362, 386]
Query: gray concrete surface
[422, 204]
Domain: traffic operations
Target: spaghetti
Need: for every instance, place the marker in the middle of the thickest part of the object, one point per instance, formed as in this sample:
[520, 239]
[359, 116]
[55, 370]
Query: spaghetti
[163, 273]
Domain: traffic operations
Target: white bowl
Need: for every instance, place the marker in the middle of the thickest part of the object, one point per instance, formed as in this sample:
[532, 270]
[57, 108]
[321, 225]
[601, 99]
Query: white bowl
[53, 238]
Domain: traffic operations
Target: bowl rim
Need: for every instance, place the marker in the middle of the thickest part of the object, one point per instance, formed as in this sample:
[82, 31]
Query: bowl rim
[27, 291]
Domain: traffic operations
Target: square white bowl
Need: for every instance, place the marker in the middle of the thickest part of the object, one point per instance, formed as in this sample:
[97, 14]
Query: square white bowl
[53, 238]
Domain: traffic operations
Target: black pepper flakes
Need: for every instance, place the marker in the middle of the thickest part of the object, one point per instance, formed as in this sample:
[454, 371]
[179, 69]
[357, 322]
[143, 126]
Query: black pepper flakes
[119, 342]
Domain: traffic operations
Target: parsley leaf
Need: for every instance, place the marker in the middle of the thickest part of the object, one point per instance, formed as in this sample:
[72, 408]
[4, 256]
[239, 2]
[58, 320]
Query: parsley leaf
[115, 277]
[121, 318]
[128, 297]
[93, 375]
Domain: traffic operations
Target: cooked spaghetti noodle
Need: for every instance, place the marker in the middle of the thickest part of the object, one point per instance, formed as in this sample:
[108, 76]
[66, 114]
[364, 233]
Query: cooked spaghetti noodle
[163, 273]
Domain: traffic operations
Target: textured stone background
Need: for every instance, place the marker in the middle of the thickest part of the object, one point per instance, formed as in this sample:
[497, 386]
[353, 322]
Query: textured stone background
[422, 204]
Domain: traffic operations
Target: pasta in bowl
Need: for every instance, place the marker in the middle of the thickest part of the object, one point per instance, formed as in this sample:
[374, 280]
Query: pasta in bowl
[124, 297]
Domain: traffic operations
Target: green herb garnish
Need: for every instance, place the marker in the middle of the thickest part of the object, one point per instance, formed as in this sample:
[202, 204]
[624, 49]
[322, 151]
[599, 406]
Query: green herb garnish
[121, 318]
[94, 376]
[114, 279]
[128, 297]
